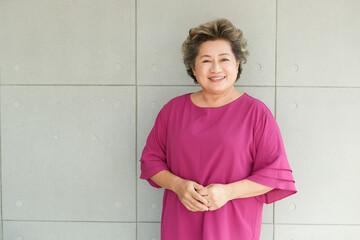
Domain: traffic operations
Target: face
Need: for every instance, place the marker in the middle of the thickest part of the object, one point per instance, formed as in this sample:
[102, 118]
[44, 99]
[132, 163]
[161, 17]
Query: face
[216, 67]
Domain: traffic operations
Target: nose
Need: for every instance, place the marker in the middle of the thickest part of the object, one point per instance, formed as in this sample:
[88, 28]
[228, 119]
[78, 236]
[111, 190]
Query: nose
[215, 67]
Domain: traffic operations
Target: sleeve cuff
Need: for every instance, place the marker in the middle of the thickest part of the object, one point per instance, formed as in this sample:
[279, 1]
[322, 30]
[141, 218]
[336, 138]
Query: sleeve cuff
[282, 182]
[151, 172]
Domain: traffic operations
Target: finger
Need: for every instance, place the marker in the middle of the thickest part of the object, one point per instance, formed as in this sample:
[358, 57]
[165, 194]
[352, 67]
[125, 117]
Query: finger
[190, 207]
[203, 191]
[197, 205]
[200, 190]
[192, 204]
[199, 198]
[198, 186]
[212, 208]
[209, 199]
[187, 205]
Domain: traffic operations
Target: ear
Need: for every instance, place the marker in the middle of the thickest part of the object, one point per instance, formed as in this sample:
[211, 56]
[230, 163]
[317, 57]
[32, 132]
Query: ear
[193, 70]
[237, 64]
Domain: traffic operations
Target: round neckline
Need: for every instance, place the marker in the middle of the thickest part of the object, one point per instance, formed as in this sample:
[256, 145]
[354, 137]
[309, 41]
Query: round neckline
[227, 104]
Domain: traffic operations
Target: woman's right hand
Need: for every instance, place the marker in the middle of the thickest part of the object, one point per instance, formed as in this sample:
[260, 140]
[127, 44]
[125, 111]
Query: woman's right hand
[188, 196]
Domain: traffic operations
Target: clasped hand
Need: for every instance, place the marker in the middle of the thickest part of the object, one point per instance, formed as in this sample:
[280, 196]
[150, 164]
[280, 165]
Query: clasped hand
[198, 198]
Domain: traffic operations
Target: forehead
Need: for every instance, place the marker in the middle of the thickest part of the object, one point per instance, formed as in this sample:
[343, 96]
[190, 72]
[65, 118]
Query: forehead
[215, 47]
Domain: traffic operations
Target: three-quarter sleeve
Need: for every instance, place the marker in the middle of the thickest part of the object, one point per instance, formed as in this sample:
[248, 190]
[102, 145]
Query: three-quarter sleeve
[153, 158]
[271, 167]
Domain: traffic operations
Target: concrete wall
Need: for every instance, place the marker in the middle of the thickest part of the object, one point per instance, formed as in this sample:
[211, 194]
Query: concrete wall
[82, 83]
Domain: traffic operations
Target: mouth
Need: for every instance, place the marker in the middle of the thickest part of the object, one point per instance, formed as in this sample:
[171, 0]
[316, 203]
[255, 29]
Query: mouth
[216, 79]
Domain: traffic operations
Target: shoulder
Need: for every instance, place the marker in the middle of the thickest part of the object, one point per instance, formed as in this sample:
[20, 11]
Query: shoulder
[176, 101]
[259, 112]
[173, 103]
[263, 118]
[257, 106]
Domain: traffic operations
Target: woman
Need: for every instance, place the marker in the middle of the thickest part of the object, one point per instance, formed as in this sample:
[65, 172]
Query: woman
[217, 152]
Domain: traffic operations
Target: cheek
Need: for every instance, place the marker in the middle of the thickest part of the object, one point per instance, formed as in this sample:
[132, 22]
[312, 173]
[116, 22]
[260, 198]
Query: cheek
[201, 70]
[234, 69]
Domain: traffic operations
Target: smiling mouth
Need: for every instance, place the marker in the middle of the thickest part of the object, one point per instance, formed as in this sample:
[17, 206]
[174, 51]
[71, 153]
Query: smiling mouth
[217, 78]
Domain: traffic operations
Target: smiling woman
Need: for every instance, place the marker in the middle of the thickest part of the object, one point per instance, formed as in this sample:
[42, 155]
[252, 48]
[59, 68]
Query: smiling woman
[217, 152]
[215, 69]
[219, 29]
[213, 56]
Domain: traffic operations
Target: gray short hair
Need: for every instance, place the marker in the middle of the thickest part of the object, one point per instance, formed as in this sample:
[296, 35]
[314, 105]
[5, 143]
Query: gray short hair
[217, 29]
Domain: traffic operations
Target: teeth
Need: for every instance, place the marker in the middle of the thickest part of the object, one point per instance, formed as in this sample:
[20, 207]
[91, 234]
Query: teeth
[217, 78]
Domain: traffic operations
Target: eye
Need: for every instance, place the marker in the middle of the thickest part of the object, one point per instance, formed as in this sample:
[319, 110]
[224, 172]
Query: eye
[205, 61]
[225, 59]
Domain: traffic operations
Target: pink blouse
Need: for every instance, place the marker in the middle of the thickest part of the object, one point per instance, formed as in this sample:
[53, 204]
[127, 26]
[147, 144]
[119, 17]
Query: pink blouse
[240, 140]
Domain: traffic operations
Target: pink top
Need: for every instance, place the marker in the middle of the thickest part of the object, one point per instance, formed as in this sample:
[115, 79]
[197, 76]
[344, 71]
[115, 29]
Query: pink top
[240, 140]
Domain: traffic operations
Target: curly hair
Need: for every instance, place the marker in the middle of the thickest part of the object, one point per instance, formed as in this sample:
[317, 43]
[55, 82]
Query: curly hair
[217, 29]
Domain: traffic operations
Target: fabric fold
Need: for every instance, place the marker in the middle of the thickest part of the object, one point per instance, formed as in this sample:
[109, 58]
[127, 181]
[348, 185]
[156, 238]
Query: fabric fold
[271, 166]
[153, 157]
[282, 188]
[284, 174]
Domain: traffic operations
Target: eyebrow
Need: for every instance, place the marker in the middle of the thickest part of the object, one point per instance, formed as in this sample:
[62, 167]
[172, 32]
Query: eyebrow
[221, 54]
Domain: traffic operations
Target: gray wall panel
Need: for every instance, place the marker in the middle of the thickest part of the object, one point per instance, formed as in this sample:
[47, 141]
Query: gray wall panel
[318, 43]
[318, 232]
[68, 231]
[322, 136]
[266, 232]
[67, 42]
[148, 231]
[68, 153]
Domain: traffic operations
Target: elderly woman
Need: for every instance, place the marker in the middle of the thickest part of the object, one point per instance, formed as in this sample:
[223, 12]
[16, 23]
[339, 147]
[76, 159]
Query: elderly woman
[217, 152]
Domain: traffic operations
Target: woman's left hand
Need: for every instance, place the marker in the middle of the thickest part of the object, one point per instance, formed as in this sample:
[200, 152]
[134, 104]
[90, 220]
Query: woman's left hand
[216, 195]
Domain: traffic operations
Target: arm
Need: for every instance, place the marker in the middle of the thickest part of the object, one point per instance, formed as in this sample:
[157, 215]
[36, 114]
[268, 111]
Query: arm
[246, 188]
[166, 179]
[219, 194]
[185, 189]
